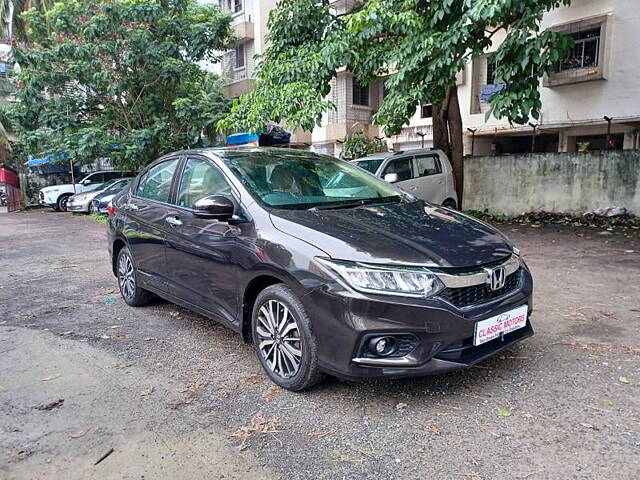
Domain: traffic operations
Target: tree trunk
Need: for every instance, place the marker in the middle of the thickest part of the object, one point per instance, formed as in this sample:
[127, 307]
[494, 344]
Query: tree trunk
[456, 138]
[448, 137]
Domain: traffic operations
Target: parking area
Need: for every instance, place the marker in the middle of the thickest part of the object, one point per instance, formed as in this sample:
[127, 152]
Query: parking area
[166, 393]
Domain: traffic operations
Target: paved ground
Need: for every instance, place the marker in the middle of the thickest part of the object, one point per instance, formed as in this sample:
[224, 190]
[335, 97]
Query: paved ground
[167, 389]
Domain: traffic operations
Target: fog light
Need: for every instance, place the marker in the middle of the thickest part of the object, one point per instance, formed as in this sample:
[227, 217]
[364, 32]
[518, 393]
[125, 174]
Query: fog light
[382, 346]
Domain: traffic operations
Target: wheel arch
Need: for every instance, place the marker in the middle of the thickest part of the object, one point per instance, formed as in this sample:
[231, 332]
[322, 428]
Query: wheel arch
[250, 293]
[118, 245]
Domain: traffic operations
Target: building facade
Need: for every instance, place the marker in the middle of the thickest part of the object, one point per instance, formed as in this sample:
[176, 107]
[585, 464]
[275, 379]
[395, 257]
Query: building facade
[598, 81]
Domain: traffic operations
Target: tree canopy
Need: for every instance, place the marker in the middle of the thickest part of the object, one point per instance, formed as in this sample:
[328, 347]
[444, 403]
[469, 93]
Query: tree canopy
[119, 79]
[417, 46]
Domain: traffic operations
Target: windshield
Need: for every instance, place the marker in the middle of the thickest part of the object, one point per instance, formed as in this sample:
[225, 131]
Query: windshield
[118, 185]
[303, 181]
[370, 165]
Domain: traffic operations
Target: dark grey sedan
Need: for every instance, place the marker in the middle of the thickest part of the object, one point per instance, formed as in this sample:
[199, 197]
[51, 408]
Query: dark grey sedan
[322, 266]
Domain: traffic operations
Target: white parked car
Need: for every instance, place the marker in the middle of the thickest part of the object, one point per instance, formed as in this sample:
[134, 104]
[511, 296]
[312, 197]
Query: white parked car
[426, 174]
[57, 196]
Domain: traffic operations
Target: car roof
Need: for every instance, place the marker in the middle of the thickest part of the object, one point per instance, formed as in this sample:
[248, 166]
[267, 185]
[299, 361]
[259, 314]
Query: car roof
[385, 155]
[227, 152]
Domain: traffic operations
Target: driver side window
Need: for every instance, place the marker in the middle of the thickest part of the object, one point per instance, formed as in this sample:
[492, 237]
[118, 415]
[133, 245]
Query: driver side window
[402, 167]
[200, 179]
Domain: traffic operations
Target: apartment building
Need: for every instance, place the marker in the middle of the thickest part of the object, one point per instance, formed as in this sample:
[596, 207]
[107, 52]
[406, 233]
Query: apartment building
[598, 81]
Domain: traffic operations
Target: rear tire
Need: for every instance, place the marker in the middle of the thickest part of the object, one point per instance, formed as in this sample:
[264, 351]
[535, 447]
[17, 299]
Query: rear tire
[127, 276]
[61, 205]
[284, 340]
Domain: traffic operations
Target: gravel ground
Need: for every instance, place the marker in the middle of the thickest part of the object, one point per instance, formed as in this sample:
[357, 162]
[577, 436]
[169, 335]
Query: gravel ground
[176, 395]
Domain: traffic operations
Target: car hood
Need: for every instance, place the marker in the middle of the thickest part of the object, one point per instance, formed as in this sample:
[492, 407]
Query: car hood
[59, 187]
[415, 233]
[84, 196]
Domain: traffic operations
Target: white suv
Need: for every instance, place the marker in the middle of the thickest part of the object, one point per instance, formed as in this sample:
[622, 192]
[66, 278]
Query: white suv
[424, 173]
[57, 196]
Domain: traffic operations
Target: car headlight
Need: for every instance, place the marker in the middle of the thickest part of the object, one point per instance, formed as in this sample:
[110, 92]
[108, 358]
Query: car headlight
[383, 280]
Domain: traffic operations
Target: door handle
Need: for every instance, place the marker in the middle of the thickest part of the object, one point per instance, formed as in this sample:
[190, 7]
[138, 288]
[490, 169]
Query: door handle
[173, 220]
[413, 187]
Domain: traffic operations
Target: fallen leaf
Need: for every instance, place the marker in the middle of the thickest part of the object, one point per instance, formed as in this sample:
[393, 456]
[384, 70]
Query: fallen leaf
[120, 336]
[50, 405]
[52, 377]
[271, 393]
[605, 233]
[401, 406]
[146, 392]
[115, 326]
[527, 415]
[434, 429]
[257, 424]
[623, 380]
[80, 433]
[503, 412]
[589, 426]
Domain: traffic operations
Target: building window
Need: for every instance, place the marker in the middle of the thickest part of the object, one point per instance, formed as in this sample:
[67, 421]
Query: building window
[426, 111]
[233, 6]
[360, 94]
[491, 72]
[240, 55]
[585, 52]
[588, 61]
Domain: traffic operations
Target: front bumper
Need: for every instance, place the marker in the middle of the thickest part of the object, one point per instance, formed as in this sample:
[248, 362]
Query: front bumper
[343, 319]
[78, 207]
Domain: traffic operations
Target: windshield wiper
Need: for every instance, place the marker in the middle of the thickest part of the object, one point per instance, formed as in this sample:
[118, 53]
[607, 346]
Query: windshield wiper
[359, 203]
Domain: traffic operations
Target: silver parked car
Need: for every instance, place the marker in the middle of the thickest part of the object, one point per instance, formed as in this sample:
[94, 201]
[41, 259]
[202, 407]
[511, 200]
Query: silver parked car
[82, 202]
[426, 174]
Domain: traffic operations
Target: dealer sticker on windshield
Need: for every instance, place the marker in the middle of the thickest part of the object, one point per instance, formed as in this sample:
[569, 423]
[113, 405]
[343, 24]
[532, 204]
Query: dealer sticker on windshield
[494, 327]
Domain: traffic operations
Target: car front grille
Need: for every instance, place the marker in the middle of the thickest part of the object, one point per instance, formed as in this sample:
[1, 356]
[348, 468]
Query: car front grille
[478, 294]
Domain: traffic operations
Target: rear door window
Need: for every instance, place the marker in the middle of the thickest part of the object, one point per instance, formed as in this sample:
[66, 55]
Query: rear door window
[427, 165]
[155, 184]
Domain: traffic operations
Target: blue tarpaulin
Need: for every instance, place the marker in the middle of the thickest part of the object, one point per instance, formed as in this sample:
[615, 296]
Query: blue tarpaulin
[36, 162]
[242, 138]
[489, 91]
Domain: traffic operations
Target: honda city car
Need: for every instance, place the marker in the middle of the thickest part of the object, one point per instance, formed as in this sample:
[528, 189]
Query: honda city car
[323, 267]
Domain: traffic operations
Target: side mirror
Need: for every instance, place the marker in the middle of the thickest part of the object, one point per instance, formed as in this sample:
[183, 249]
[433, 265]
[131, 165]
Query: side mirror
[214, 206]
[86, 182]
[391, 177]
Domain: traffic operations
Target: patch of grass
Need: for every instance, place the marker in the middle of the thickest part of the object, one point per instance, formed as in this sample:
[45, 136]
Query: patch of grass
[96, 217]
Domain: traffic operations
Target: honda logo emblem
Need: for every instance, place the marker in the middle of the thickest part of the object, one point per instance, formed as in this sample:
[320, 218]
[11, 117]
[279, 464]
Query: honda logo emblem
[497, 278]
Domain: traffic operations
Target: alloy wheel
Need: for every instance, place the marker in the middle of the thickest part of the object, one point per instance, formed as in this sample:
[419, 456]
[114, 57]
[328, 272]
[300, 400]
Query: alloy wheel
[126, 276]
[279, 339]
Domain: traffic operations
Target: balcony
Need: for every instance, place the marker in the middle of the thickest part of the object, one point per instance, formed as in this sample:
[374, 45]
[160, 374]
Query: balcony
[244, 30]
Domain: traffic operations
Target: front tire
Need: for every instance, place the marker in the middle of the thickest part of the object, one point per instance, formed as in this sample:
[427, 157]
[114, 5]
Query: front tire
[61, 205]
[450, 203]
[127, 276]
[284, 340]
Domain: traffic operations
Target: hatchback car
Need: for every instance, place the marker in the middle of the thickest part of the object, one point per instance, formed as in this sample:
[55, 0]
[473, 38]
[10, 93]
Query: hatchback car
[427, 174]
[353, 278]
